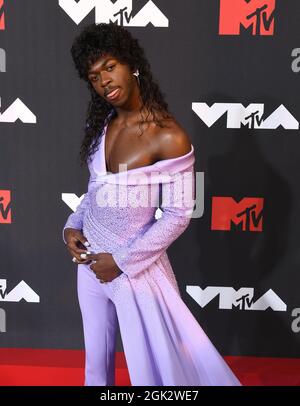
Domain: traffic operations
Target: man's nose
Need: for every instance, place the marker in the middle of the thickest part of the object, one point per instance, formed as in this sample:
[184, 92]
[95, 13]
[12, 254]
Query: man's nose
[105, 79]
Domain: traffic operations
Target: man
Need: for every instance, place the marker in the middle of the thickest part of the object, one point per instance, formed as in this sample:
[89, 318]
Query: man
[118, 85]
[163, 343]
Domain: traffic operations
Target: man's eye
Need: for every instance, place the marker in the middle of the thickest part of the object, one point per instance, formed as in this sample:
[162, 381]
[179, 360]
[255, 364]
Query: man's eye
[109, 68]
[94, 79]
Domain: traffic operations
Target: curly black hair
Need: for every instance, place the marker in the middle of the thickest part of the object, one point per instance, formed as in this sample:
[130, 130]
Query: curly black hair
[94, 41]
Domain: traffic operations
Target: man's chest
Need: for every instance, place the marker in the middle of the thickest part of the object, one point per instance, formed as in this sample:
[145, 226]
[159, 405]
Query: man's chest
[129, 147]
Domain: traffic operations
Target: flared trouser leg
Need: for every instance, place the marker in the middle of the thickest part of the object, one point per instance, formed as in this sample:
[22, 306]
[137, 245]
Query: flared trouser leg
[142, 366]
[101, 308]
[99, 326]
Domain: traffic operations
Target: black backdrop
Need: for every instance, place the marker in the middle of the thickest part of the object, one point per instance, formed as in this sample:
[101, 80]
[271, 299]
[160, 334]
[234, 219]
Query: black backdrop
[195, 61]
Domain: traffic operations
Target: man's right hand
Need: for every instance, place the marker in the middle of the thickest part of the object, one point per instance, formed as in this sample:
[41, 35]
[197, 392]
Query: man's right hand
[75, 244]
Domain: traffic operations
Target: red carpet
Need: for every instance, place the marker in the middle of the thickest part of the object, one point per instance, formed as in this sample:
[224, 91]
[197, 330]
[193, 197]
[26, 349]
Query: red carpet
[26, 367]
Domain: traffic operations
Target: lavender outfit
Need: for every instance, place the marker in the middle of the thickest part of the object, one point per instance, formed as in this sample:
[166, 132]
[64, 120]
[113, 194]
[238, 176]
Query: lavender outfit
[163, 342]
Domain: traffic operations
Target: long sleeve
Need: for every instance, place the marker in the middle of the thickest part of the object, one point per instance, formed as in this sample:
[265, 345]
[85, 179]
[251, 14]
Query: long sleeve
[177, 207]
[75, 220]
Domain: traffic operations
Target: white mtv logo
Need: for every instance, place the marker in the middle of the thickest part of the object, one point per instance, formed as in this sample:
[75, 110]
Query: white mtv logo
[17, 110]
[119, 12]
[72, 200]
[250, 116]
[241, 298]
[21, 291]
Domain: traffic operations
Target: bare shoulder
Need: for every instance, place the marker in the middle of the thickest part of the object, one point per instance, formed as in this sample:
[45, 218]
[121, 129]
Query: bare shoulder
[172, 141]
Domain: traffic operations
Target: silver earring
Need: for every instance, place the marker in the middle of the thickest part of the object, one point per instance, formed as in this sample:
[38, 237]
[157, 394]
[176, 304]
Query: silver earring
[136, 73]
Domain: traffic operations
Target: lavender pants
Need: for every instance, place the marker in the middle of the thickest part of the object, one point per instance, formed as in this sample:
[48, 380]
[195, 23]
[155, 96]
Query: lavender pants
[102, 305]
[163, 342]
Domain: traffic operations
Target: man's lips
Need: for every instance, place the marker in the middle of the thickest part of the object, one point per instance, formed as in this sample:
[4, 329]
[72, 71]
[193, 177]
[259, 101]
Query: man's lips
[113, 94]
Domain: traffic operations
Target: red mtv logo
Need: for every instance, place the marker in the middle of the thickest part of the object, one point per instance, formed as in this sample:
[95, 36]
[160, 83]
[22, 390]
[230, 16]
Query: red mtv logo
[2, 23]
[258, 15]
[245, 215]
[5, 210]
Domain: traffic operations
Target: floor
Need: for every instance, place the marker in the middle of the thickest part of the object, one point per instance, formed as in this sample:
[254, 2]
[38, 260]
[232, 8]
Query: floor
[34, 367]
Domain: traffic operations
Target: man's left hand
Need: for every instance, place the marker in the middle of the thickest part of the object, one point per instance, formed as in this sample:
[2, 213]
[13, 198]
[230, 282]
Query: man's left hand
[105, 267]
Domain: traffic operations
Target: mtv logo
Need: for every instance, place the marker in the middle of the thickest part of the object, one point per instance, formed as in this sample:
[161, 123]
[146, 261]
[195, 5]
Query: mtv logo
[17, 110]
[241, 298]
[246, 215]
[256, 16]
[118, 11]
[72, 200]
[5, 206]
[21, 291]
[250, 116]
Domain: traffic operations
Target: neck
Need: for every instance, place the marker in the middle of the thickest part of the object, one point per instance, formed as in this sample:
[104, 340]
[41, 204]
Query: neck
[130, 110]
[127, 116]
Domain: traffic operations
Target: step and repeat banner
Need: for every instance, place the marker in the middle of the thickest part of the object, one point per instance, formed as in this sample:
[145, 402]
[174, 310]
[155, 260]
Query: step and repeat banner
[230, 71]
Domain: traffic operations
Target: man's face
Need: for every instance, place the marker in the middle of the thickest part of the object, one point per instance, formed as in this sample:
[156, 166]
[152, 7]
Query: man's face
[112, 80]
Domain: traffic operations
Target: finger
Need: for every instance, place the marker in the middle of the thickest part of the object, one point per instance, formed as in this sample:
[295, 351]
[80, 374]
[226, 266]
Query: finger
[79, 251]
[76, 261]
[101, 279]
[89, 255]
[84, 241]
[79, 259]
[86, 262]
[73, 245]
[92, 267]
